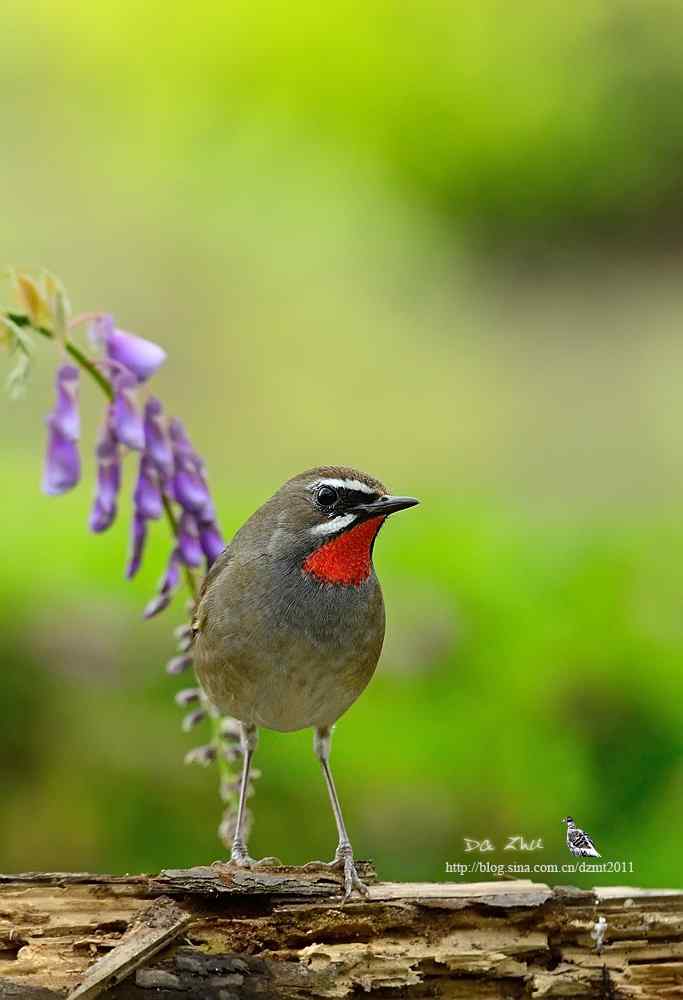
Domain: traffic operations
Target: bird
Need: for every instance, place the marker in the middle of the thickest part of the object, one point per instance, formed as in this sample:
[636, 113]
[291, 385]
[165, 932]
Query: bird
[290, 623]
[579, 842]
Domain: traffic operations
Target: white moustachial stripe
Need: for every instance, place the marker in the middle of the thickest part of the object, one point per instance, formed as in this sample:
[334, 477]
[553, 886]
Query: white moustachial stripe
[336, 524]
[344, 484]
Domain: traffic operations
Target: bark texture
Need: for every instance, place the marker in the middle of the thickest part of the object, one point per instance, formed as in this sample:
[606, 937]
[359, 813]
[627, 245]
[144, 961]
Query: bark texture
[221, 933]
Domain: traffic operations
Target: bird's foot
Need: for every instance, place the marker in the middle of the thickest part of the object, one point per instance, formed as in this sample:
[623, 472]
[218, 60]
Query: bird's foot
[343, 861]
[245, 861]
[239, 857]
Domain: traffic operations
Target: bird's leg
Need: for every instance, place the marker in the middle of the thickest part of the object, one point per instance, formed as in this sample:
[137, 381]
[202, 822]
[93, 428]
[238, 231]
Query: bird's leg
[249, 740]
[238, 854]
[343, 857]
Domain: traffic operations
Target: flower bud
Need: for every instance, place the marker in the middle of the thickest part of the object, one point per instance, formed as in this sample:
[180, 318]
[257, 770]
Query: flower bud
[230, 729]
[193, 719]
[157, 443]
[147, 495]
[167, 586]
[126, 421]
[140, 356]
[108, 480]
[179, 663]
[211, 540]
[201, 755]
[188, 540]
[138, 538]
[62, 469]
[187, 696]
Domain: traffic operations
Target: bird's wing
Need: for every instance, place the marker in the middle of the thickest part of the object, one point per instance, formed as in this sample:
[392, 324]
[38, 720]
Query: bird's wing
[581, 844]
[216, 569]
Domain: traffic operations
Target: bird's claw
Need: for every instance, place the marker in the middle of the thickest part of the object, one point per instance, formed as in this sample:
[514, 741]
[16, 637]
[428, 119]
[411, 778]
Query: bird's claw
[269, 862]
[245, 861]
[343, 861]
[351, 879]
[239, 857]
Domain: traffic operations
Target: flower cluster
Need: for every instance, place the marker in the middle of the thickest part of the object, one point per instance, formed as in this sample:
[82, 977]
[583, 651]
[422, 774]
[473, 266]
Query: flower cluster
[169, 470]
[170, 481]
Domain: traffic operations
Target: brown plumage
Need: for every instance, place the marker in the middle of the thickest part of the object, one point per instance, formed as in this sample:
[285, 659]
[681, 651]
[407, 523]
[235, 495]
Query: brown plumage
[290, 622]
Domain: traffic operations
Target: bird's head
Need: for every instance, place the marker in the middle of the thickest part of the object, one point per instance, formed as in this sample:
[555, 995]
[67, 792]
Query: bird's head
[328, 518]
[567, 820]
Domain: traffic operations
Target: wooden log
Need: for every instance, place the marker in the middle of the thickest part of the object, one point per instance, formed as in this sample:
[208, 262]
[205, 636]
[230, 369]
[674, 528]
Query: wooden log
[223, 933]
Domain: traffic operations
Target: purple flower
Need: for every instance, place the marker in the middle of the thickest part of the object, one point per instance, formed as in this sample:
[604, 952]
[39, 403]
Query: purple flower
[62, 460]
[148, 506]
[126, 420]
[62, 463]
[169, 470]
[147, 495]
[189, 490]
[188, 540]
[181, 442]
[167, 586]
[138, 538]
[108, 480]
[65, 416]
[140, 356]
[189, 485]
[211, 540]
[157, 444]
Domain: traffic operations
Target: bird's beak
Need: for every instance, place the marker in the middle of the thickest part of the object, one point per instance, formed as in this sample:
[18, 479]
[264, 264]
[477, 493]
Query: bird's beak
[385, 505]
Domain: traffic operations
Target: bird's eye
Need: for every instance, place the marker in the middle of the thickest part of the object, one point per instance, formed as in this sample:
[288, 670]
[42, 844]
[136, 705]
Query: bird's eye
[327, 496]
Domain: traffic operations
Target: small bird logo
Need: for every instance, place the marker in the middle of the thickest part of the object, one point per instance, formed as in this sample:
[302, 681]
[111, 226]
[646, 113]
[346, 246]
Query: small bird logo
[579, 842]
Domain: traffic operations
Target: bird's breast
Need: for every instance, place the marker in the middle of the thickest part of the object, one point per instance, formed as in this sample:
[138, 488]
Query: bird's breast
[285, 650]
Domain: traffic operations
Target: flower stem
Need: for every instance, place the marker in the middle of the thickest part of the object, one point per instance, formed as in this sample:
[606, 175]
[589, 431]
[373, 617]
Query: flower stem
[76, 353]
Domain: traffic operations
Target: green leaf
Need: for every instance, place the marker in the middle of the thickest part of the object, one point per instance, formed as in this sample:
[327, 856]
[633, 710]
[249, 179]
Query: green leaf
[20, 338]
[59, 305]
[18, 378]
[20, 346]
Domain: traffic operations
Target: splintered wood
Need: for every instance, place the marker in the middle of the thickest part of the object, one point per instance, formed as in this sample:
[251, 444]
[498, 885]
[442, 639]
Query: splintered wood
[222, 933]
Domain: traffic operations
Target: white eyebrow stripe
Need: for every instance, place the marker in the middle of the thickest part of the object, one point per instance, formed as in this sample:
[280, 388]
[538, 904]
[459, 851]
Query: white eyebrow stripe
[344, 484]
[336, 524]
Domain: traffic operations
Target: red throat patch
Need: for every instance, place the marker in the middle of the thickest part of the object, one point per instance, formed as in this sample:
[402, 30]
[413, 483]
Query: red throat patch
[345, 559]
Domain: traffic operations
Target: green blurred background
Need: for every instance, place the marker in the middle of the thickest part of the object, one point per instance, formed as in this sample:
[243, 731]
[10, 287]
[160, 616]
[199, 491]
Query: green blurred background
[441, 242]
